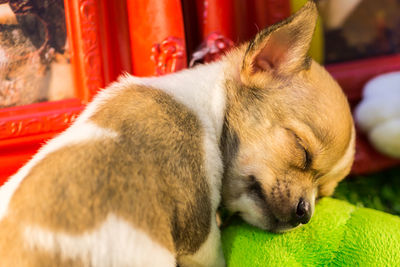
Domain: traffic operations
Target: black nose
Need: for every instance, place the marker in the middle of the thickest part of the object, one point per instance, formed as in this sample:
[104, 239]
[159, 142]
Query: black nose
[303, 212]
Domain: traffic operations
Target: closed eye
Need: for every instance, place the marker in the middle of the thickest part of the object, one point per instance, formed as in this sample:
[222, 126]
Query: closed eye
[307, 158]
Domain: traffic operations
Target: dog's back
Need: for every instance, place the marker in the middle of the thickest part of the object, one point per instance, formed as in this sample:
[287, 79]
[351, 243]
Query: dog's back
[114, 186]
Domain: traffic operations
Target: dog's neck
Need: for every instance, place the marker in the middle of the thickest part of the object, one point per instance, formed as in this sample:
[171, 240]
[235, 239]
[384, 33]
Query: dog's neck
[201, 89]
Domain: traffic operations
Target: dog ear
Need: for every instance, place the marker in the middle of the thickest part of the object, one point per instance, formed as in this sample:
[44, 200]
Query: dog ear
[281, 49]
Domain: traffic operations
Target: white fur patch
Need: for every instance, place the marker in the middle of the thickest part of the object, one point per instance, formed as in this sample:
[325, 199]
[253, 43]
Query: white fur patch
[249, 210]
[77, 133]
[114, 243]
[201, 90]
[214, 169]
[210, 252]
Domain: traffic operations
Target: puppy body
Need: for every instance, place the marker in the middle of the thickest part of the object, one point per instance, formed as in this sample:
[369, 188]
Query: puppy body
[137, 179]
[161, 148]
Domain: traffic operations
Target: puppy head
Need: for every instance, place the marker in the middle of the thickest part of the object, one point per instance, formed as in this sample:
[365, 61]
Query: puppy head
[288, 136]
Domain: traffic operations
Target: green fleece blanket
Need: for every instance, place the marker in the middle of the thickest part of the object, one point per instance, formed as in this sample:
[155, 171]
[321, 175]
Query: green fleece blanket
[339, 234]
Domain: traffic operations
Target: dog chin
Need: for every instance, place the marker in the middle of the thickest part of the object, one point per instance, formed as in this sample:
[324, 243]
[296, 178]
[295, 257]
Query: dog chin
[283, 228]
[270, 224]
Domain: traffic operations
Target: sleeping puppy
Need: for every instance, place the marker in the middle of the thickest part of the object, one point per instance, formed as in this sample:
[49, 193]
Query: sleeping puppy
[138, 177]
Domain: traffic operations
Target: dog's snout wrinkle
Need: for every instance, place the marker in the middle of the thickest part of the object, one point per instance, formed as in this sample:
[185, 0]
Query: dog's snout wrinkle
[256, 188]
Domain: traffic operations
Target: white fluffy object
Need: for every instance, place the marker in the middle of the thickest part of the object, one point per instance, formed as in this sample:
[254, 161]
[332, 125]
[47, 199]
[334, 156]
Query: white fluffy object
[378, 114]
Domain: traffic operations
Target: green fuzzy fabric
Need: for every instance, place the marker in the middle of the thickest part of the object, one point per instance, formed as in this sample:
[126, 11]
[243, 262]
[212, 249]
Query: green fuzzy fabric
[380, 191]
[339, 234]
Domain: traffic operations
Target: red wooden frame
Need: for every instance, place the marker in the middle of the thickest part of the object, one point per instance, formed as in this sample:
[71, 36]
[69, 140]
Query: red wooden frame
[159, 23]
[24, 129]
[99, 42]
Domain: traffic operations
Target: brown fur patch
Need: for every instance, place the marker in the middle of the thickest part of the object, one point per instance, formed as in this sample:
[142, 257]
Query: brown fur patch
[153, 175]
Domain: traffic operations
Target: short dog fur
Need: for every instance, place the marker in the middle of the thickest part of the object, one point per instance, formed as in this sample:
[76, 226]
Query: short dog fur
[138, 177]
